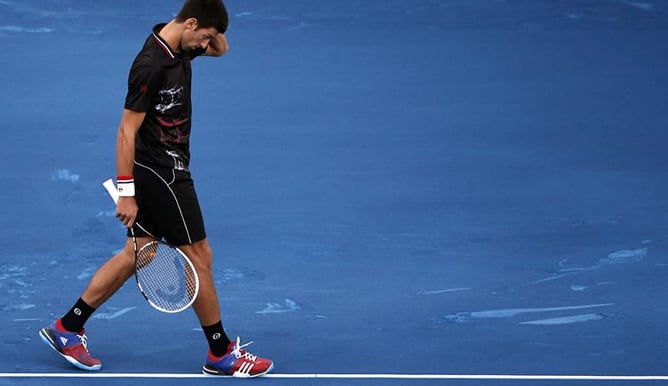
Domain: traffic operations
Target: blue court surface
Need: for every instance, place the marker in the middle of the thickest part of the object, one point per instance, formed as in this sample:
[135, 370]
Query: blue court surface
[397, 192]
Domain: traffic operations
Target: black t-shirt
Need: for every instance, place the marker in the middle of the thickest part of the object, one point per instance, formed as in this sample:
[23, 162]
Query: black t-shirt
[159, 85]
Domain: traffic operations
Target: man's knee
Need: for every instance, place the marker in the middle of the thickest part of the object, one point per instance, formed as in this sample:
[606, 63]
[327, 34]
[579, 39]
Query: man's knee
[200, 253]
[203, 249]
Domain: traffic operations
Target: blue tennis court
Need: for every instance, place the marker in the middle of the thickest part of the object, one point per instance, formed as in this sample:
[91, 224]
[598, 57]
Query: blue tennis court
[401, 192]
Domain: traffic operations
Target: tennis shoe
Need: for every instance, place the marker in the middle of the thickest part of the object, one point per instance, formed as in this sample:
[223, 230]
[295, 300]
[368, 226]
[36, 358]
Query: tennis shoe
[237, 362]
[71, 345]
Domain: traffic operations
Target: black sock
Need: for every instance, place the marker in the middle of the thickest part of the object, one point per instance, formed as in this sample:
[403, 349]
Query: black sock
[218, 340]
[77, 316]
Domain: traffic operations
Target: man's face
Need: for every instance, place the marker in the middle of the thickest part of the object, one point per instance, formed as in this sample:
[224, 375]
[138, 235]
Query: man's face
[194, 38]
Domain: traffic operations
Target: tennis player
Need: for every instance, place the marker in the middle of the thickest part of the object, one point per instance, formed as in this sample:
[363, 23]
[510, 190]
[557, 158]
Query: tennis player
[156, 188]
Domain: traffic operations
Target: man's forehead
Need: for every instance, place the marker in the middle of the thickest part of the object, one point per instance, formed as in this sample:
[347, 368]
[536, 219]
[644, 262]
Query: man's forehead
[209, 31]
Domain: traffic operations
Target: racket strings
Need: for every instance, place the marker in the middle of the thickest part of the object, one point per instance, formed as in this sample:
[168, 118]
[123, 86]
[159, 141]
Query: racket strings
[166, 277]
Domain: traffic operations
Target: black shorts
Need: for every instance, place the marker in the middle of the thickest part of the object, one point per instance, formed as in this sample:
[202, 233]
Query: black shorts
[168, 205]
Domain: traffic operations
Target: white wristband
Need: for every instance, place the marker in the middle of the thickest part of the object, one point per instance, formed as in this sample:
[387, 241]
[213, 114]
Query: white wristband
[126, 187]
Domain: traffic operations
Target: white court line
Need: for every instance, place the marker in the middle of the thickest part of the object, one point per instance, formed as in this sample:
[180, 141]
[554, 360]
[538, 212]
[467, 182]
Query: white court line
[517, 377]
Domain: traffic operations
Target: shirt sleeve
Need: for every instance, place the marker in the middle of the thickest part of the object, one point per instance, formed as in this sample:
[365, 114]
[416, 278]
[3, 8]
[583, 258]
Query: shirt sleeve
[143, 85]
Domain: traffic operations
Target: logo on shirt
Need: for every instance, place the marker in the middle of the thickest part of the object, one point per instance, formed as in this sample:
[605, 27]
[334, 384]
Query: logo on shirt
[170, 98]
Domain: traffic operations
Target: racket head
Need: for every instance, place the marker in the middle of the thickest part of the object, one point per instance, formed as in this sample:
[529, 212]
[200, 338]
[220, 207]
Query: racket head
[166, 277]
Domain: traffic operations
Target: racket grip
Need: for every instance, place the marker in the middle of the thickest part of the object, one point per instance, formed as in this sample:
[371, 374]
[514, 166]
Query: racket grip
[111, 189]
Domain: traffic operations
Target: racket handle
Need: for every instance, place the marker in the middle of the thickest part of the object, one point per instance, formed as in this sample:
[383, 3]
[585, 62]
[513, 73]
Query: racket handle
[111, 189]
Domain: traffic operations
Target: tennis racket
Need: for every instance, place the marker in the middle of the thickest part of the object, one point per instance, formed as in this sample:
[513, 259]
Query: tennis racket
[165, 275]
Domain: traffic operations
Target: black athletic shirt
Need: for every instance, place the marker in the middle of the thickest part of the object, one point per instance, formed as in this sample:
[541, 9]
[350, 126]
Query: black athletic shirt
[159, 85]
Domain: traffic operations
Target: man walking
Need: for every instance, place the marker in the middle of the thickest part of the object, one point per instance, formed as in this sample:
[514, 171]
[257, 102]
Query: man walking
[156, 188]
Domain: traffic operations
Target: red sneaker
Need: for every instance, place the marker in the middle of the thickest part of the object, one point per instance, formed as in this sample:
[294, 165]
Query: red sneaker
[237, 363]
[72, 346]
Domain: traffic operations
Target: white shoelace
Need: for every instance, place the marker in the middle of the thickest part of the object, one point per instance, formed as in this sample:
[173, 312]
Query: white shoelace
[238, 354]
[84, 340]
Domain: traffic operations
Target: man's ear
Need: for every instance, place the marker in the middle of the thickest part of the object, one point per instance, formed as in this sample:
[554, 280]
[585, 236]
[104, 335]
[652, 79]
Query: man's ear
[191, 23]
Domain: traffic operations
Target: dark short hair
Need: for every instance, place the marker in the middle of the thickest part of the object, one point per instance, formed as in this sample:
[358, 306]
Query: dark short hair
[209, 13]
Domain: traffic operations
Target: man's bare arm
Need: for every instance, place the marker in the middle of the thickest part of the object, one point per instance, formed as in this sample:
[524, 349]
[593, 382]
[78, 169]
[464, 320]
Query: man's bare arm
[126, 208]
[217, 46]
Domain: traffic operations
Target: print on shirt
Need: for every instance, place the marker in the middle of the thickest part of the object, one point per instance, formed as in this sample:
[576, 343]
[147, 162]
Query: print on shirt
[172, 133]
[179, 163]
[170, 98]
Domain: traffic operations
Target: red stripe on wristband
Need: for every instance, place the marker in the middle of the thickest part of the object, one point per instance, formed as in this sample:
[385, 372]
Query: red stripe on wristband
[124, 179]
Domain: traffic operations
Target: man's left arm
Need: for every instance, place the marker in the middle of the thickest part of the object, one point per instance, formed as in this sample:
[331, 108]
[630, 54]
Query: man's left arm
[217, 46]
